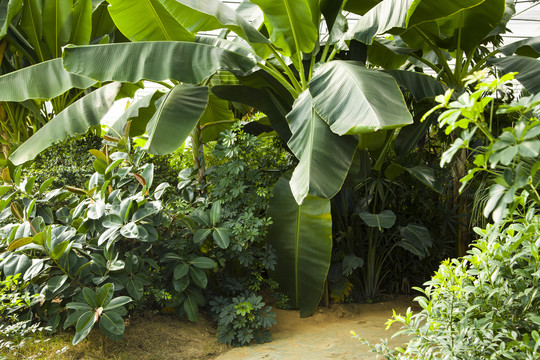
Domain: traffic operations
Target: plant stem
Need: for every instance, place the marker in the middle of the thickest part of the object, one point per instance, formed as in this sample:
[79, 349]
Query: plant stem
[276, 75]
[287, 70]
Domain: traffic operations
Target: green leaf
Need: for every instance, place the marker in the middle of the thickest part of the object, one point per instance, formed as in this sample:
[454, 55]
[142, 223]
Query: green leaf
[529, 47]
[215, 212]
[82, 23]
[180, 271]
[420, 85]
[183, 61]
[112, 221]
[111, 322]
[105, 294]
[91, 297]
[290, 25]
[74, 120]
[84, 326]
[325, 158]
[528, 70]
[167, 131]
[198, 276]
[302, 238]
[426, 176]
[42, 81]
[221, 237]
[56, 282]
[130, 230]
[14, 245]
[382, 18]
[57, 21]
[143, 213]
[191, 308]
[385, 219]
[211, 15]
[416, 239]
[117, 302]
[343, 89]
[217, 117]
[203, 263]
[351, 263]
[201, 235]
[96, 210]
[46, 184]
[135, 288]
[147, 20]
[61, 249]
[426, 10]
[78, 306]
[72, 318]
[359, 7]
[8, 10]
[181, 284]
[139, 113]
[31, 24]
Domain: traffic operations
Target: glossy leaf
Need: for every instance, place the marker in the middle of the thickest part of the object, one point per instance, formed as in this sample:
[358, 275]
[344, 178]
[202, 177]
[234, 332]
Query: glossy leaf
[325, 158]
[203, 263]
[175, 118]
[290, 25]
[87, 111]
[32, 26]
[198, 276]
[359, 7]
[420, 85]
[302, 238]
[354, 100]
[426, 10]
[42, 81]
[180, 271]
[117, 302]
[528, 47]
[111, 322]
[147, 20]
[84, 326]
[221, 237]
[182, 61]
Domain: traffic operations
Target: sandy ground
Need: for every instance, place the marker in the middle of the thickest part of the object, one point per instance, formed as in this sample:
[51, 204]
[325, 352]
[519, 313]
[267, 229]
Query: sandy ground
[326, 334]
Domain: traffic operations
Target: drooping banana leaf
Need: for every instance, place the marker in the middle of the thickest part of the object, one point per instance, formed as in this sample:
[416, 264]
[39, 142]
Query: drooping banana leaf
[354, 100]
[74, 120]
[261, 99]
[529, 47]
[382, 18]
[42, 81]
[427, 10]
[325, 158]
[183, 61]
[330, 10]
[102, 22]
[290, 24]
[387, 54]
[8, 10]
[528, 70]
[139, 113]
[147, 20]
[302, 238]
[211, 15]
[359, 7]
[57, 20]
[178, 113]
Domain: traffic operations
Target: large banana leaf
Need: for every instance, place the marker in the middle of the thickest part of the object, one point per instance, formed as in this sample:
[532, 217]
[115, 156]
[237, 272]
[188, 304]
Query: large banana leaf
[217, 117]
[147, 20]
[57, 20]
[528, 70]
[178, 113]
[8, 10]
[359, 7]
[325, 158]
[330, 9]
[387, 54]
[32, 26]
[427, 10]
[354, 100]
[261, 99]
[82, 23]
[420, 85]
[75, 119]
[528, 47]
[302, 238]
[207, 15]
[183, 61]
[290, 24]
[43, 81]
[102, 22]
[387, 15]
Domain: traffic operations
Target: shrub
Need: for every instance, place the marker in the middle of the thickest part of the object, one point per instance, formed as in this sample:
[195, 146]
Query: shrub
[486, 305]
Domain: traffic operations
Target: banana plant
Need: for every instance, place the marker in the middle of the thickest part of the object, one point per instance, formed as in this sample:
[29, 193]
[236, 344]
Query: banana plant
[319, 95]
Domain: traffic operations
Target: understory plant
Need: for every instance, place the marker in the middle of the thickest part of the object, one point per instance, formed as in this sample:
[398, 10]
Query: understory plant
[486, 305]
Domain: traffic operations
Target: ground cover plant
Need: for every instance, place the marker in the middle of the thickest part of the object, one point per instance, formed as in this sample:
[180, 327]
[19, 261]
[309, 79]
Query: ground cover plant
[486, 305]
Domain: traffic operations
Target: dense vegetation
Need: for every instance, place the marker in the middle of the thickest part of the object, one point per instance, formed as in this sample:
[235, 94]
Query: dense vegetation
[274, 166]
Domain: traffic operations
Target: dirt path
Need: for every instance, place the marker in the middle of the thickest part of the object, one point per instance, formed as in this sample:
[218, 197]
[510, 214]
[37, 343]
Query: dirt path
[326, 334]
